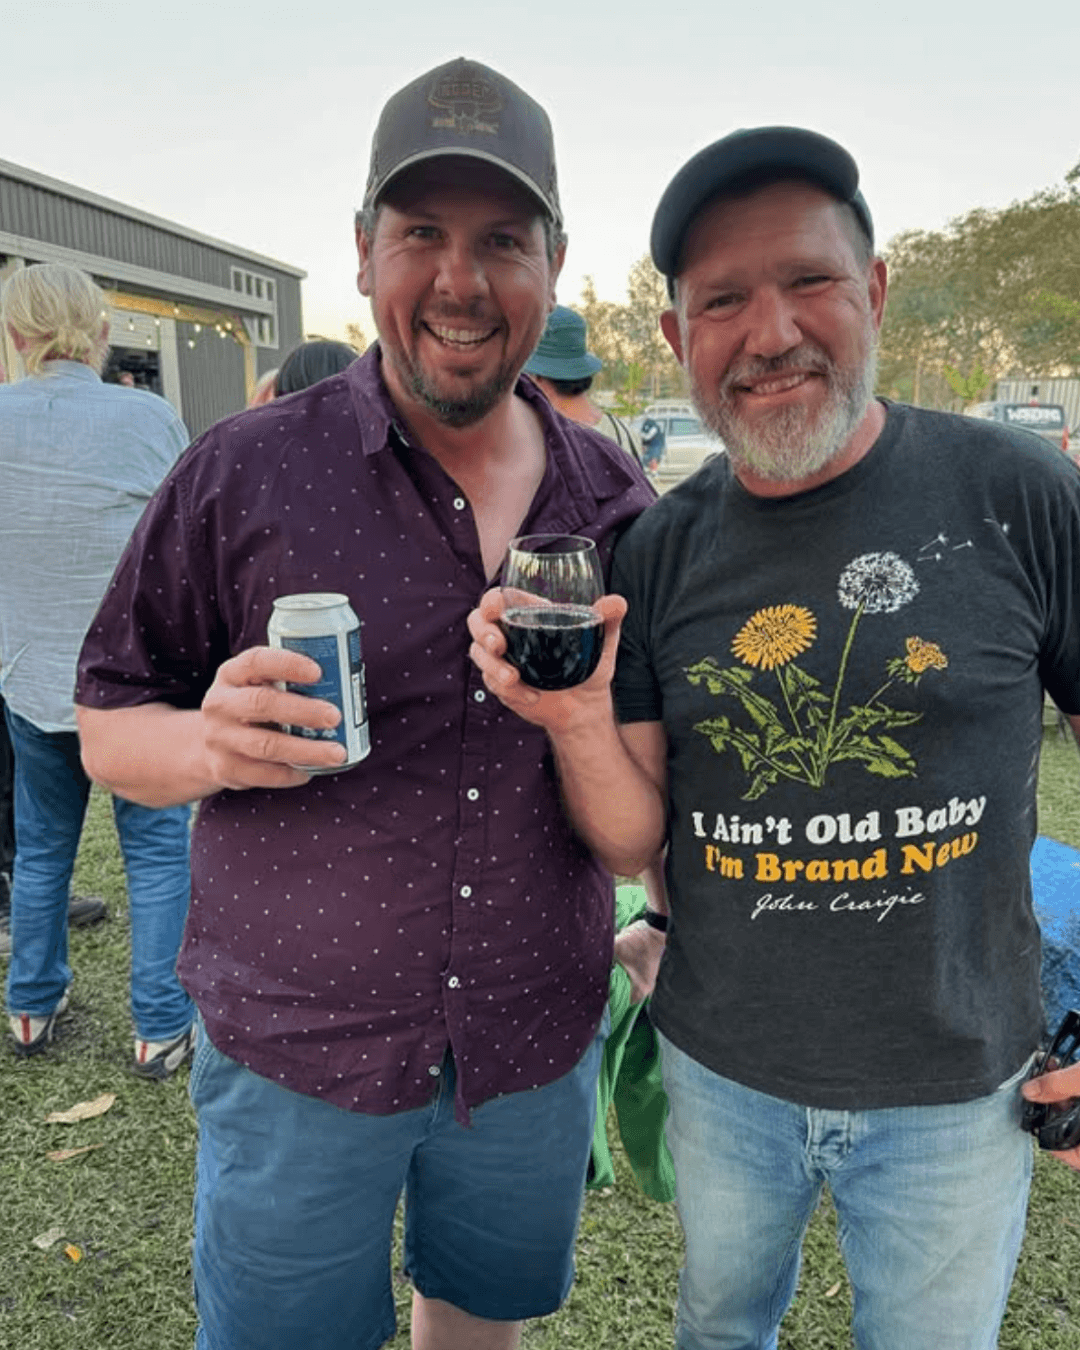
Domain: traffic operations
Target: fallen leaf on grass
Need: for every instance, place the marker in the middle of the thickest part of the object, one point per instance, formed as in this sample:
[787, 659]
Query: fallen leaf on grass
[63, 1154]
[45, 1240]
[82, 1110]
[833, 1290]
[72, 1252]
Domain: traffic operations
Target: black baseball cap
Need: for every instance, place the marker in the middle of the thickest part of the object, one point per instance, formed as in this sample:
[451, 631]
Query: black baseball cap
[465, 108]
[741, 161]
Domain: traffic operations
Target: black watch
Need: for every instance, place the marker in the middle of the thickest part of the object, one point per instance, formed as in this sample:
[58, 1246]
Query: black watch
[656, 920]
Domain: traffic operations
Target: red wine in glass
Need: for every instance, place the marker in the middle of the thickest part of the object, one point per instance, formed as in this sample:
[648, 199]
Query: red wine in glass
[553, 635]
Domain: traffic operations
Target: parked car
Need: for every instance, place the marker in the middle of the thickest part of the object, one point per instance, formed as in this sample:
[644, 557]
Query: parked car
[675, 440]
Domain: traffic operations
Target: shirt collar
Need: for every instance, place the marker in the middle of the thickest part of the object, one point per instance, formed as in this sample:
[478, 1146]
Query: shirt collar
[588, 478]
[77, 370]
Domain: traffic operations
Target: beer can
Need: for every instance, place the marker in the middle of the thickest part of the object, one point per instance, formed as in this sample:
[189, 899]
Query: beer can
[322, 625]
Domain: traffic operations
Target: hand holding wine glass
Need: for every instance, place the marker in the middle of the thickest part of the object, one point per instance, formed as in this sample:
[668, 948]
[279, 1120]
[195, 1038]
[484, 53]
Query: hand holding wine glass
[554, 636]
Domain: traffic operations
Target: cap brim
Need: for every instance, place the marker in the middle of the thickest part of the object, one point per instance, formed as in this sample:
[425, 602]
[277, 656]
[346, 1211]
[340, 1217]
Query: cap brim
[463, 152]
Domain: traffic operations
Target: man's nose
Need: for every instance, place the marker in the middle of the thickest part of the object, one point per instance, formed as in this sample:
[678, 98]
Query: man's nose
[772, 328]
[461, 274]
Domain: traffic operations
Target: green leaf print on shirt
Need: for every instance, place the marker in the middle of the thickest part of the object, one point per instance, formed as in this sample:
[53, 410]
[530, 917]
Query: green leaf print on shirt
[799, 735]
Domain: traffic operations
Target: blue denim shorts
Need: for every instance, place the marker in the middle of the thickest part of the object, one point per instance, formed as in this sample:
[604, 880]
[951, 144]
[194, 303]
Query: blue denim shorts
[295, 1202]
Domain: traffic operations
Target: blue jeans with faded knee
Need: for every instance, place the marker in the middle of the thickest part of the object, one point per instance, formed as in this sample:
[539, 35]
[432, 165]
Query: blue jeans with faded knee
[930, 1200]
[51, 794]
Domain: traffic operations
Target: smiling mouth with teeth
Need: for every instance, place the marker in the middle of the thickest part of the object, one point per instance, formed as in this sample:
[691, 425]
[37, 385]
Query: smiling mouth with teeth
[463, 338]
[777, 386]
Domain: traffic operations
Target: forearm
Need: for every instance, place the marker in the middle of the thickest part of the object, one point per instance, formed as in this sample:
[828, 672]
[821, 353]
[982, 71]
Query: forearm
[652, 878]
[614, 796]
[153, 754]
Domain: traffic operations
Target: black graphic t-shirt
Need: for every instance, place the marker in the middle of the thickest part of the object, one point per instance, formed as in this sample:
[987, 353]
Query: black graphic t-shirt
[851, 683]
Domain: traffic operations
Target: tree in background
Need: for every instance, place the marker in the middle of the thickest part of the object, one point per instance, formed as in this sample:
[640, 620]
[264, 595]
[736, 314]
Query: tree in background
[639, 366]
[356, 337]
[994, 294]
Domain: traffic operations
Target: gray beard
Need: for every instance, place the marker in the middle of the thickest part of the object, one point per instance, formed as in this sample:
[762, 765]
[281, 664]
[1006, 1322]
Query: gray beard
[791, 443]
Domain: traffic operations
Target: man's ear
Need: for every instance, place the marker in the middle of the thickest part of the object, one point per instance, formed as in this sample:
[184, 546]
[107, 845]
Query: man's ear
[669, 326]
[878, 287]
[555, 269]
[363, 252]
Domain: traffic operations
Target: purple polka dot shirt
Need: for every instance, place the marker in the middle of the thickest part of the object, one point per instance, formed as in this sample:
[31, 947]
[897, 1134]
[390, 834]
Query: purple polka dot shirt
[342, 934]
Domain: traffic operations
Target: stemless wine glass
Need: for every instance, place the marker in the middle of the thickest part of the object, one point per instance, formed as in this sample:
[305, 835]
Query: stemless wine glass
[553, 635]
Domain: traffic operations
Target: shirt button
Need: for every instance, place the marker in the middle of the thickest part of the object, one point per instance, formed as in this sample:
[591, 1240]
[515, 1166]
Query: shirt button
[453, 982]
[434, 1070]
[472, 794]
[479, 696]
[459, 503]
[466, 891]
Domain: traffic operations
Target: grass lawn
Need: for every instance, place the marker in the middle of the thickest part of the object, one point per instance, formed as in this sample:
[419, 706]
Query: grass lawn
[123, 1209]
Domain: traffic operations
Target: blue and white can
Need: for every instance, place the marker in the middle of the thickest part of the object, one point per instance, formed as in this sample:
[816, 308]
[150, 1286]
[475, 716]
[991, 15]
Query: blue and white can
[322, 625]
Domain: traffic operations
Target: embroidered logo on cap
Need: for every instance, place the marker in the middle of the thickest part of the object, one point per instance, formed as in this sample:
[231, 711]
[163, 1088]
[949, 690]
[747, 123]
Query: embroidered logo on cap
[466, 104]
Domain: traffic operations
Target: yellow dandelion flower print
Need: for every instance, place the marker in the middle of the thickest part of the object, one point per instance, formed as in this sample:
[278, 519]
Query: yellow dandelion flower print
[774, 636]
[925, 656]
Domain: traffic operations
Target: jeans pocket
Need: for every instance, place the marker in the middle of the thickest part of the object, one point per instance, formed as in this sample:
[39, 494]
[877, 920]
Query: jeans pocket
[201, 1062]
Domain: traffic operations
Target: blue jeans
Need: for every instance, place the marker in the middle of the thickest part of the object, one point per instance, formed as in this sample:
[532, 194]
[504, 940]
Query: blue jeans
[51, 793]
[295, 1202]
[931, 1202]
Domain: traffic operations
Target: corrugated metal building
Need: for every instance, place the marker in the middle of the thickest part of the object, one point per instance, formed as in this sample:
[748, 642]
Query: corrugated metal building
[192, 318]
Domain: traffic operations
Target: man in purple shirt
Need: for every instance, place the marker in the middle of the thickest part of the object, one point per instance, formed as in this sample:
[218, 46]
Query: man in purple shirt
[401, 968]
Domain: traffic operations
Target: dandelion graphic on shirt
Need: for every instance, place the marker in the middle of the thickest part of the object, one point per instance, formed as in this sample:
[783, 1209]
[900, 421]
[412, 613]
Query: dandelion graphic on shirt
[800, 733]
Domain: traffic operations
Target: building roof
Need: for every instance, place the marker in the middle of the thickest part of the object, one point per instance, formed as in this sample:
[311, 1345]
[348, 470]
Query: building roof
[69, 190]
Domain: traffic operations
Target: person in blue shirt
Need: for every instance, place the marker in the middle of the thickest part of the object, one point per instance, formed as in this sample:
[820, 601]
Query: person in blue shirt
[79, 459]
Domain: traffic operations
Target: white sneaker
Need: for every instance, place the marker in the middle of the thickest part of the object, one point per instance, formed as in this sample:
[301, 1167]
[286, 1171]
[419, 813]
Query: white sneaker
[158, 1059]
[34, 1034]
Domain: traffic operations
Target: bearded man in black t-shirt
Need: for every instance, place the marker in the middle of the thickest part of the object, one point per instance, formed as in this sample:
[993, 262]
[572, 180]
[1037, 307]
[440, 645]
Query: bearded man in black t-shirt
[826, 711]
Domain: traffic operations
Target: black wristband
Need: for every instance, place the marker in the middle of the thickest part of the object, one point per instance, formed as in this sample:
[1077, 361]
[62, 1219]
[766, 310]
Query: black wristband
[656, 920]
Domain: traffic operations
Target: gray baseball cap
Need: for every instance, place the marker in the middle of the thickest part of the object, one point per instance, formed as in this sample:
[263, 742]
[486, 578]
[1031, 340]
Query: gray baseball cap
[741, 160]
[465, 108]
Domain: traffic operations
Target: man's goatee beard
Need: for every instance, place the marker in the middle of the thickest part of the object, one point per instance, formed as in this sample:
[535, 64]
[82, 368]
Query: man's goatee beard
[466, 411]
[792, 443]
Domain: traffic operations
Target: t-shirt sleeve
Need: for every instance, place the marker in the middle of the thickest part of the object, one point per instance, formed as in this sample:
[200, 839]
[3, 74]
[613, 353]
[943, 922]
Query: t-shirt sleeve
[156, 635]
[1059, 660]
[636, 690]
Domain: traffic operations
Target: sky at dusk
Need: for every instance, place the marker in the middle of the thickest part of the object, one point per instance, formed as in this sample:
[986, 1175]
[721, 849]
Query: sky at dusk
[253, 123]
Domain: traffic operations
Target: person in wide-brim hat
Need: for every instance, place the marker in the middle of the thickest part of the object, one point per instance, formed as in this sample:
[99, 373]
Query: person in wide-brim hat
[563, 367]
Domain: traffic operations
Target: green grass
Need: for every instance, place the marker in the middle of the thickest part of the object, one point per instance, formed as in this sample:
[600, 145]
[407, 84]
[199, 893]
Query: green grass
[127, 1205]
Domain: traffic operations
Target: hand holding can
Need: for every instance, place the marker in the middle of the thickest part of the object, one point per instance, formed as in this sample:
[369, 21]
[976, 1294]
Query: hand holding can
[324, 627]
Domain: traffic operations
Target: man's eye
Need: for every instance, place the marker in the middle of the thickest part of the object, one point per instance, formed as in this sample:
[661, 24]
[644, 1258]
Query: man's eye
[504, 241]
[724, 301]
[422, 232]
[812, 279]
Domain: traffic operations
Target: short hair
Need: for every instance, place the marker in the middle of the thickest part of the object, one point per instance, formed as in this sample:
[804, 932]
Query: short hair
[367, 217]
[569, 388]
[59, 312]
[311, 362]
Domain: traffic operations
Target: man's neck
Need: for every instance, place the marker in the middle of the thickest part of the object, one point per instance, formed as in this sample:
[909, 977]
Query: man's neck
[577, 407]
[498, 464]
[855, 449]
